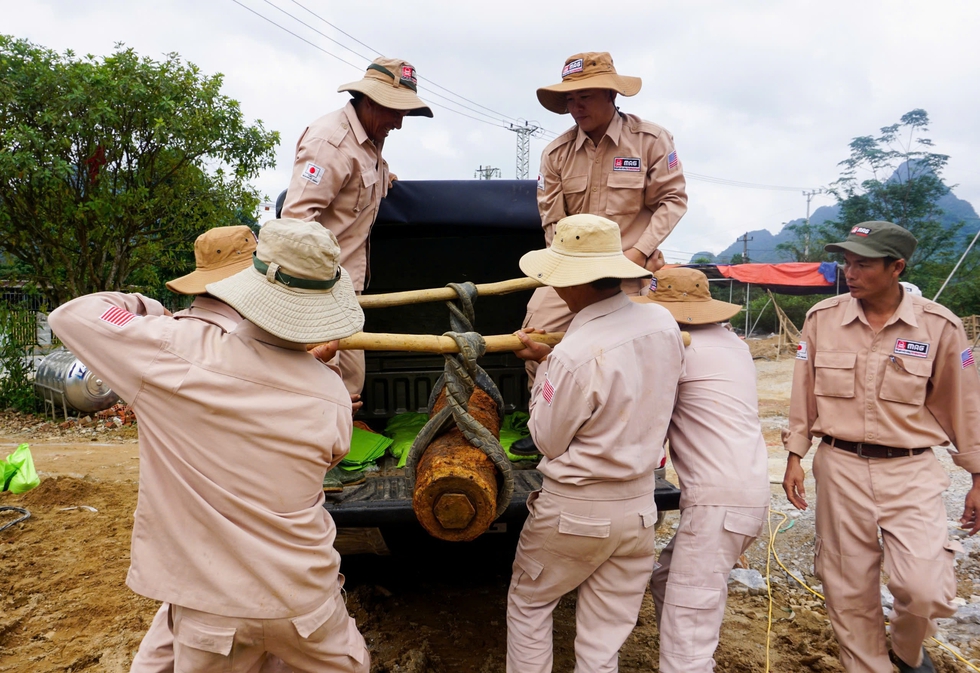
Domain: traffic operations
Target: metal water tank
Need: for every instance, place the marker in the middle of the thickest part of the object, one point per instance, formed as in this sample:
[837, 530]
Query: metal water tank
[63, 381]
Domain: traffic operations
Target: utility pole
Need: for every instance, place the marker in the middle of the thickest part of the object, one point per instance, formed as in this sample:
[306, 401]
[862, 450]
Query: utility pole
[745, 247]
[806, 227]
[524, 134]
[486, 173]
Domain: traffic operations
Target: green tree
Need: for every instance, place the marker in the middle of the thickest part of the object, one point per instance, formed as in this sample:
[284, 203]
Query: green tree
[111, 166]
[737, 259]
[807, 244]
[898, 178]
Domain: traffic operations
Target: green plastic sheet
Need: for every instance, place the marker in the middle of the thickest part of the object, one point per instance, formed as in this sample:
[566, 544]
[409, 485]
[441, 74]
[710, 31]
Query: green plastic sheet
[404, 428]
[18, 471]
[365, 448]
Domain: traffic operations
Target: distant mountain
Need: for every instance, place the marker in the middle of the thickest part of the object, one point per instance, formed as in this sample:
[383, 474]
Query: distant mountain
[762, 247]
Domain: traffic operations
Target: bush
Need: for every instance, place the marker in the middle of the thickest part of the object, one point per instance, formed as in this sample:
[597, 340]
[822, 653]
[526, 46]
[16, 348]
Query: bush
[16, 364]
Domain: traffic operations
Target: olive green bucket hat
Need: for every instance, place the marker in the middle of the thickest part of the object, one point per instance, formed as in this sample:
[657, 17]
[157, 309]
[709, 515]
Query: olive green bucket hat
[877, 239]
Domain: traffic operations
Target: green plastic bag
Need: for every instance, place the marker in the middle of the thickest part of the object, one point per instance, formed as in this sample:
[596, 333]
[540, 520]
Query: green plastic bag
[403, 429]
[19, 474]
[365, 448]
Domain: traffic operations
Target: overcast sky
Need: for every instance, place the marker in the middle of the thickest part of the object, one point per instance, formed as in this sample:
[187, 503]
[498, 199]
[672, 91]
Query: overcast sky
[768, 93]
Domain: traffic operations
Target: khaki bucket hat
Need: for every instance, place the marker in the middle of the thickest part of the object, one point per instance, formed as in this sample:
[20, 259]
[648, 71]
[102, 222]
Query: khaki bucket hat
[685, 293]
[589, 70]
[585, 248]
[219, 253]
[392, 83]
[877, 239]
[295, 289]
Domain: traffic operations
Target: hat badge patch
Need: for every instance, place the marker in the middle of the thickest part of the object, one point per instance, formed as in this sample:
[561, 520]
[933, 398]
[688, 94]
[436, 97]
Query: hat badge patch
[653, 284]
[572, 67]
[408, 72]
[860, 231]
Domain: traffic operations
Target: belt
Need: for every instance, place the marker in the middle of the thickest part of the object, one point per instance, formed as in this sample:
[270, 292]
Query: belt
[871, 450]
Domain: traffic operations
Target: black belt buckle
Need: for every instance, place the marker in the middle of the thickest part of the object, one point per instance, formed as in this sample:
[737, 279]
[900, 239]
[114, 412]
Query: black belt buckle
[858, 446]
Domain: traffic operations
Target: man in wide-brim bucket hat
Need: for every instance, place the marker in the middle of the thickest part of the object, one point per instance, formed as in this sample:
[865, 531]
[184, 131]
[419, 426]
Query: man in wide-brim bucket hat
[609, 163]
[339, 175]
[719, 454]
[599, 412]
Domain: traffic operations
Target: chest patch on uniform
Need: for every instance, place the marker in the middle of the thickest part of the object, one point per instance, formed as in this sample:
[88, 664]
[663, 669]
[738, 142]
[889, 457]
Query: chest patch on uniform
[117, 316]
[548, 391]
[672, 160]
[312, 172]
[571, 67]
[915, 349]
[630, 164]
[801, 353]
[860, 231]
[540, 182]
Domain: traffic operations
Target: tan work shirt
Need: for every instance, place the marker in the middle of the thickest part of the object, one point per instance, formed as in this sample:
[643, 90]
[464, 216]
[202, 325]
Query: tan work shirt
[339, 179]
[633, 177]
[908, 386]
[237, 430]
[716, 443]
[602, 399]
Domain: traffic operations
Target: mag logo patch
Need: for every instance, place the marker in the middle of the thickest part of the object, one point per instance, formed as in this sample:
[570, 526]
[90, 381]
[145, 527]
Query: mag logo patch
[860, 231]
[570, 68]
[915, 349]
[629, 164]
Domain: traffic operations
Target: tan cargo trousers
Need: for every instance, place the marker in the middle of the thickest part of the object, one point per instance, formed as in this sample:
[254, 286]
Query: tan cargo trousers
[690, 582]
[901, 497]
[603, 548]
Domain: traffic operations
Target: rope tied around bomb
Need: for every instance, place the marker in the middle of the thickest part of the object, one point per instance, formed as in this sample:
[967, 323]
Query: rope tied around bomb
[461, 375]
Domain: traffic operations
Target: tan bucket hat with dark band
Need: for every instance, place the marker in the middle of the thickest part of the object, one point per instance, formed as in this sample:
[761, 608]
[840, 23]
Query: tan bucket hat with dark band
[219, 253]
[589, 70]
[295, 288]
[685, 293]
[585, 248]
[392, 83]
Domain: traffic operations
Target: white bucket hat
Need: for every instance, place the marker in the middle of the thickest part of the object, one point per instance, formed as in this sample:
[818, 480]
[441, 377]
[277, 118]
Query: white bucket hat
[391, 83]
[296, 289]
[585, 248]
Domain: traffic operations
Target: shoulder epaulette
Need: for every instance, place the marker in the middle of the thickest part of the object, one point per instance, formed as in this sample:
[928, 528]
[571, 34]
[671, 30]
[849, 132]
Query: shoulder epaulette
[940, 310]
[339, 134]
[830, 302]
[565, 138]
[637, 125]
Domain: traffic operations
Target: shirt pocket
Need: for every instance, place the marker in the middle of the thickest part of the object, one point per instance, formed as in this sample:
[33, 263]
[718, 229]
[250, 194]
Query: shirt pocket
[573, 191]
[624, 195]
[905, 381]
[834, 374]
[366, 188]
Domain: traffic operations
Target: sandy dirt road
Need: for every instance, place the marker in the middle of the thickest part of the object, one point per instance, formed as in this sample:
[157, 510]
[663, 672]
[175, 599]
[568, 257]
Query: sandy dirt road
[429, 607]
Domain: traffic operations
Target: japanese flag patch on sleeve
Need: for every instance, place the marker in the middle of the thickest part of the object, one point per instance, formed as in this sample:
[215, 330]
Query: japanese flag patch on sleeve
[548, 391]
[117, 316]
[801, 353]
[312, 172]
[540, 182]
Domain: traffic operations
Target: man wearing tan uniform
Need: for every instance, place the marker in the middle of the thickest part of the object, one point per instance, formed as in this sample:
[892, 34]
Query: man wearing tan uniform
[230, 528]
[599, 412]
[340, 177]
[611, 164]
[717, 449]
[882, 376]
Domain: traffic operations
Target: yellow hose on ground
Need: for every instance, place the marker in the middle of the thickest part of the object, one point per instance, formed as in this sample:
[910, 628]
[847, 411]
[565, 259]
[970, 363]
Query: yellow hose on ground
[771, 553]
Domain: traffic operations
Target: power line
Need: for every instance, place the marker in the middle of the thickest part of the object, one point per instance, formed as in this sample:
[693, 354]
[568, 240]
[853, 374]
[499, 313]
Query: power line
[337, 28]
[736, 183]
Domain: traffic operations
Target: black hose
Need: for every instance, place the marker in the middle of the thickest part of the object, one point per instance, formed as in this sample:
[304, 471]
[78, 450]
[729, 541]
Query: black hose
[27, 515]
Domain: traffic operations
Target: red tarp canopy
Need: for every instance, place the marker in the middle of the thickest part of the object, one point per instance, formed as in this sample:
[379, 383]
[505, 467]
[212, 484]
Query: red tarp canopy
[787, 278]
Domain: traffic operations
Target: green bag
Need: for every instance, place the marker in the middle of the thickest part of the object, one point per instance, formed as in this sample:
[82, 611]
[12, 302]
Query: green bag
[19, 474]
[365, 448]
[403, 429]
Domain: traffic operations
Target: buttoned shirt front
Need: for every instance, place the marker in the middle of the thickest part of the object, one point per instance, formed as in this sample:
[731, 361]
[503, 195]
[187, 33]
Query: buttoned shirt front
[632, 177]
[907, 386]
[339, 179]
[716, 443]
[237, 430]
[602, 398]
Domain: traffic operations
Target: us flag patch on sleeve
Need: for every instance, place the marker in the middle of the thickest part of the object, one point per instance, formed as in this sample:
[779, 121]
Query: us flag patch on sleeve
[966, 358]
[548, 391]
[672, 160]
[117, 316]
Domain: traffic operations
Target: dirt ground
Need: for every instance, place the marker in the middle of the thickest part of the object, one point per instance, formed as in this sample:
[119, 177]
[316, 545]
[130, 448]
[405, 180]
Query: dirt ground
[428, 607]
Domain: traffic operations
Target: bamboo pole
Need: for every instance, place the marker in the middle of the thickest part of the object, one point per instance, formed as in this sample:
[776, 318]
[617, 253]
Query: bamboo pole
[431, 343]
[443, 293]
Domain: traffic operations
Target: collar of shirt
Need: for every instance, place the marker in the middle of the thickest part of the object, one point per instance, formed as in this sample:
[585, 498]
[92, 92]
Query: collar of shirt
[613, 132]
[355, 125]
[203, 304]
[249, 330]
[905, 312]
[597, 310]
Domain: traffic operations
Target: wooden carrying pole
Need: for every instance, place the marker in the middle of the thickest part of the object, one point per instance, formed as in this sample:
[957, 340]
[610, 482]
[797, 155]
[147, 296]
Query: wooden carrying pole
[431, 343]
[443, 293]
